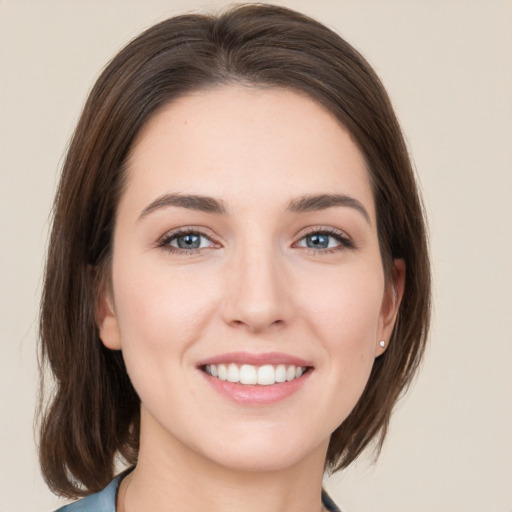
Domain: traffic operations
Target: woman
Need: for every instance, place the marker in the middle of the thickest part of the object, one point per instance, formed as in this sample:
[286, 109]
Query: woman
[237, 288]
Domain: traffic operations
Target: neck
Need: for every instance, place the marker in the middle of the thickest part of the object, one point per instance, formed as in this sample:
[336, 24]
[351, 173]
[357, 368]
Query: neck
[174, 478]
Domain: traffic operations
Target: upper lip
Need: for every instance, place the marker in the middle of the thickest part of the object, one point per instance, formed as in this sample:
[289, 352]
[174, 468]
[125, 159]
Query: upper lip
[255, 359]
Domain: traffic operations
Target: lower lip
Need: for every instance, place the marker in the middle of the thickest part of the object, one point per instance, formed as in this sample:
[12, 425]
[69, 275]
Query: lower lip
[257, 395]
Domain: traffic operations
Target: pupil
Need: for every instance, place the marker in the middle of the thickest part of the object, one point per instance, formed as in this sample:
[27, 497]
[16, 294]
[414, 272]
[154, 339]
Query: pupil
[189, 241]
[317, 241]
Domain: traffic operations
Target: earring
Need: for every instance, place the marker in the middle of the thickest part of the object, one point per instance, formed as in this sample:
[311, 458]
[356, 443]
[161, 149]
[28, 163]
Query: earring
[382, 343]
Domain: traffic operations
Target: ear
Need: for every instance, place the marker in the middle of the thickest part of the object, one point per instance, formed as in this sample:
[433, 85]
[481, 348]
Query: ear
[390, 306]
[106, 319]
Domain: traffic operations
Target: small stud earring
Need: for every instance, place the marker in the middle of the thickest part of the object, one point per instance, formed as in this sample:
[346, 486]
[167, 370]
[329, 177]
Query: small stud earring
[382, 343]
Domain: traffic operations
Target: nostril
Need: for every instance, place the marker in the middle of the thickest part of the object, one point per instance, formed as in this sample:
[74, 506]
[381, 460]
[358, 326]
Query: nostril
[256, 325]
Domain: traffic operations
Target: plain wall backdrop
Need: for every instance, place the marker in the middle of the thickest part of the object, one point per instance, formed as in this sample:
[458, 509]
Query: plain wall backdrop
[448, 69]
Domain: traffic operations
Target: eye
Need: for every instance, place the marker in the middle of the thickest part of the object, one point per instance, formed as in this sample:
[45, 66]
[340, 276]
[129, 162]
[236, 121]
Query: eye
[186, 241]
[325, 241]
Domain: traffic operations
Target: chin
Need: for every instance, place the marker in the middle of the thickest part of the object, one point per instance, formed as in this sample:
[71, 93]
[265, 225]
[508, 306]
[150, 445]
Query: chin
[258, 453]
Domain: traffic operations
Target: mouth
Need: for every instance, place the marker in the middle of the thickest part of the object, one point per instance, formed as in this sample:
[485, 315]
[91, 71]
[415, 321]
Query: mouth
[256, 379]
[250, 375]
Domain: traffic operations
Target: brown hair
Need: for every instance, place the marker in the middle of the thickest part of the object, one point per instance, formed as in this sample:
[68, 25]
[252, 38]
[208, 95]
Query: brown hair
[93, 414]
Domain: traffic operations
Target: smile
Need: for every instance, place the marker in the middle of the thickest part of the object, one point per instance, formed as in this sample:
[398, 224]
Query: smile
[250, 379]
[248, 374]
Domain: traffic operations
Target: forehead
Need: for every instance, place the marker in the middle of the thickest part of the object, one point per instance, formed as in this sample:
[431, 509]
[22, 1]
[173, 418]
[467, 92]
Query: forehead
[246, 144]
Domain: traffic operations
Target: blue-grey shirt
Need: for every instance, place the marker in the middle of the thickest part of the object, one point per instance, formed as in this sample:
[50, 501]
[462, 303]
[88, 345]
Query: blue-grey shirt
[105, 500]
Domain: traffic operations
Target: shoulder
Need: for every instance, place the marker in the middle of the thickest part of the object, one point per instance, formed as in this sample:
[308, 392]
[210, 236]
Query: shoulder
[103, 501]
[328, 503]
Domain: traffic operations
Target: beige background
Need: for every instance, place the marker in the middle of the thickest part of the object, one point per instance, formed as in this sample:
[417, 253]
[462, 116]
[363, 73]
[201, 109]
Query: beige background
[448, 68]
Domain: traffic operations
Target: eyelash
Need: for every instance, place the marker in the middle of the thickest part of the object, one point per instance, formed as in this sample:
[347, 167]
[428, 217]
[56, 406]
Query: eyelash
[169, 237]
[344, 241]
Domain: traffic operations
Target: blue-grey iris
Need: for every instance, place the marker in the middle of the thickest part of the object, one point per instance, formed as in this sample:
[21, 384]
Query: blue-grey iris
[189, 241]
[317, 241]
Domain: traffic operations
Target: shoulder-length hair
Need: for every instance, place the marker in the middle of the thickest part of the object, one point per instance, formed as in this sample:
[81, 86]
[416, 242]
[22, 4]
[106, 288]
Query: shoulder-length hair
[92, 417]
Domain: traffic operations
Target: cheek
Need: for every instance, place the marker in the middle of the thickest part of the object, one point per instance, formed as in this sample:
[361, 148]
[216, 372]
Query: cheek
[340, 314]
[344, 313]
[160, 311]
[161, 314]
[346, 307]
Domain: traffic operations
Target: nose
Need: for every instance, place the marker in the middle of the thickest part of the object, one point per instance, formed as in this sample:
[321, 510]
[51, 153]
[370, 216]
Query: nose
[258, 295]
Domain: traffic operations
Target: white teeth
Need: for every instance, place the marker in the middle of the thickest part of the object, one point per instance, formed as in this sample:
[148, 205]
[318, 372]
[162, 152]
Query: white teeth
[233, 373]
[248, 374]
[266, 375]
[222, 371]
[281, 373]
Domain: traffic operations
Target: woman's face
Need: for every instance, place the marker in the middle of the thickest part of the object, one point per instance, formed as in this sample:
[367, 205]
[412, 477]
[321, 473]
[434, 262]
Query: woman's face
[245, 248]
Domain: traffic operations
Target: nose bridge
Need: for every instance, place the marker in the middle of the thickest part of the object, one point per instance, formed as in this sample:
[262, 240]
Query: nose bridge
[257, 292]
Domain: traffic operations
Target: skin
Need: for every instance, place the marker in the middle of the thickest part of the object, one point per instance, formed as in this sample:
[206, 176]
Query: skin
[254, 285]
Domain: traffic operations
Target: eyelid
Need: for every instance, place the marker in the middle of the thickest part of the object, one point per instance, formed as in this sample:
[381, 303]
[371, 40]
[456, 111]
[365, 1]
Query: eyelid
[164, 241]
[345, 241]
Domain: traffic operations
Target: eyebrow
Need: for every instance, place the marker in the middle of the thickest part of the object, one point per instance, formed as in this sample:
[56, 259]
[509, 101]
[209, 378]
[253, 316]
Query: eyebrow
[303, 204]
[323, 201]
[191, 202]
